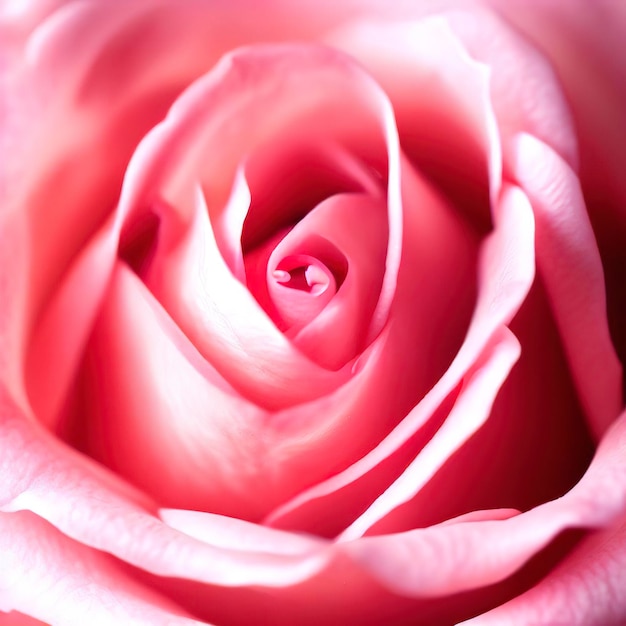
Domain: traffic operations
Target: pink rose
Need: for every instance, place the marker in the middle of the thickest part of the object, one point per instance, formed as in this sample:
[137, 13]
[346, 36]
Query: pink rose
[312, 314]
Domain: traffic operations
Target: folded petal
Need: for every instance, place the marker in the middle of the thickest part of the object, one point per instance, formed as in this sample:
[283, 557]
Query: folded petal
[471, 410]
[570, 265]
[468, 555]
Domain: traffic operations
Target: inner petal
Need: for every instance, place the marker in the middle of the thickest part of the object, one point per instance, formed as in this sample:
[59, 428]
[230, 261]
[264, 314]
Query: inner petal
[300, 287]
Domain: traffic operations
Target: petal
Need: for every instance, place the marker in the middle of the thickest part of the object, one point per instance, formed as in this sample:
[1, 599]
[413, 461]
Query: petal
[232, 533]
[585, 589]
[94, 507]
[228, 326]
[569, 262]
[468, 555]
[471, 410]
[54, 579]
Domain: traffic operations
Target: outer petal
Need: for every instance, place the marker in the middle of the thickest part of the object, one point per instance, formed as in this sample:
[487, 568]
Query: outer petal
[95, 508]
[587, 589]
[468, 555]
[47, 575]
[581, 41]
[569, 262]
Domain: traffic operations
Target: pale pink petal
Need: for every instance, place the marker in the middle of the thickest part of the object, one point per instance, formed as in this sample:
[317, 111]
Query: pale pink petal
[569, 263]
[233, 533]
[47, 575]
[481, 516]
[469, 555]
[586, 589]
[94, 507]
[229, 226]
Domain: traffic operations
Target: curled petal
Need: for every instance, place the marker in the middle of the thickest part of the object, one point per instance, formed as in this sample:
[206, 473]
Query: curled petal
[97, 509]
[471, 410]
[59, 581]
[569, 263]
[586, 588]
[468, 555]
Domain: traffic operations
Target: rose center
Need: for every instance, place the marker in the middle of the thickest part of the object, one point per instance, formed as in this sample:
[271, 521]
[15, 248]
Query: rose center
[300, 286]
[309, 275]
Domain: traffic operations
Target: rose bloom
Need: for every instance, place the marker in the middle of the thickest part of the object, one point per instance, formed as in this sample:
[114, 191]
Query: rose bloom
[312, 313]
